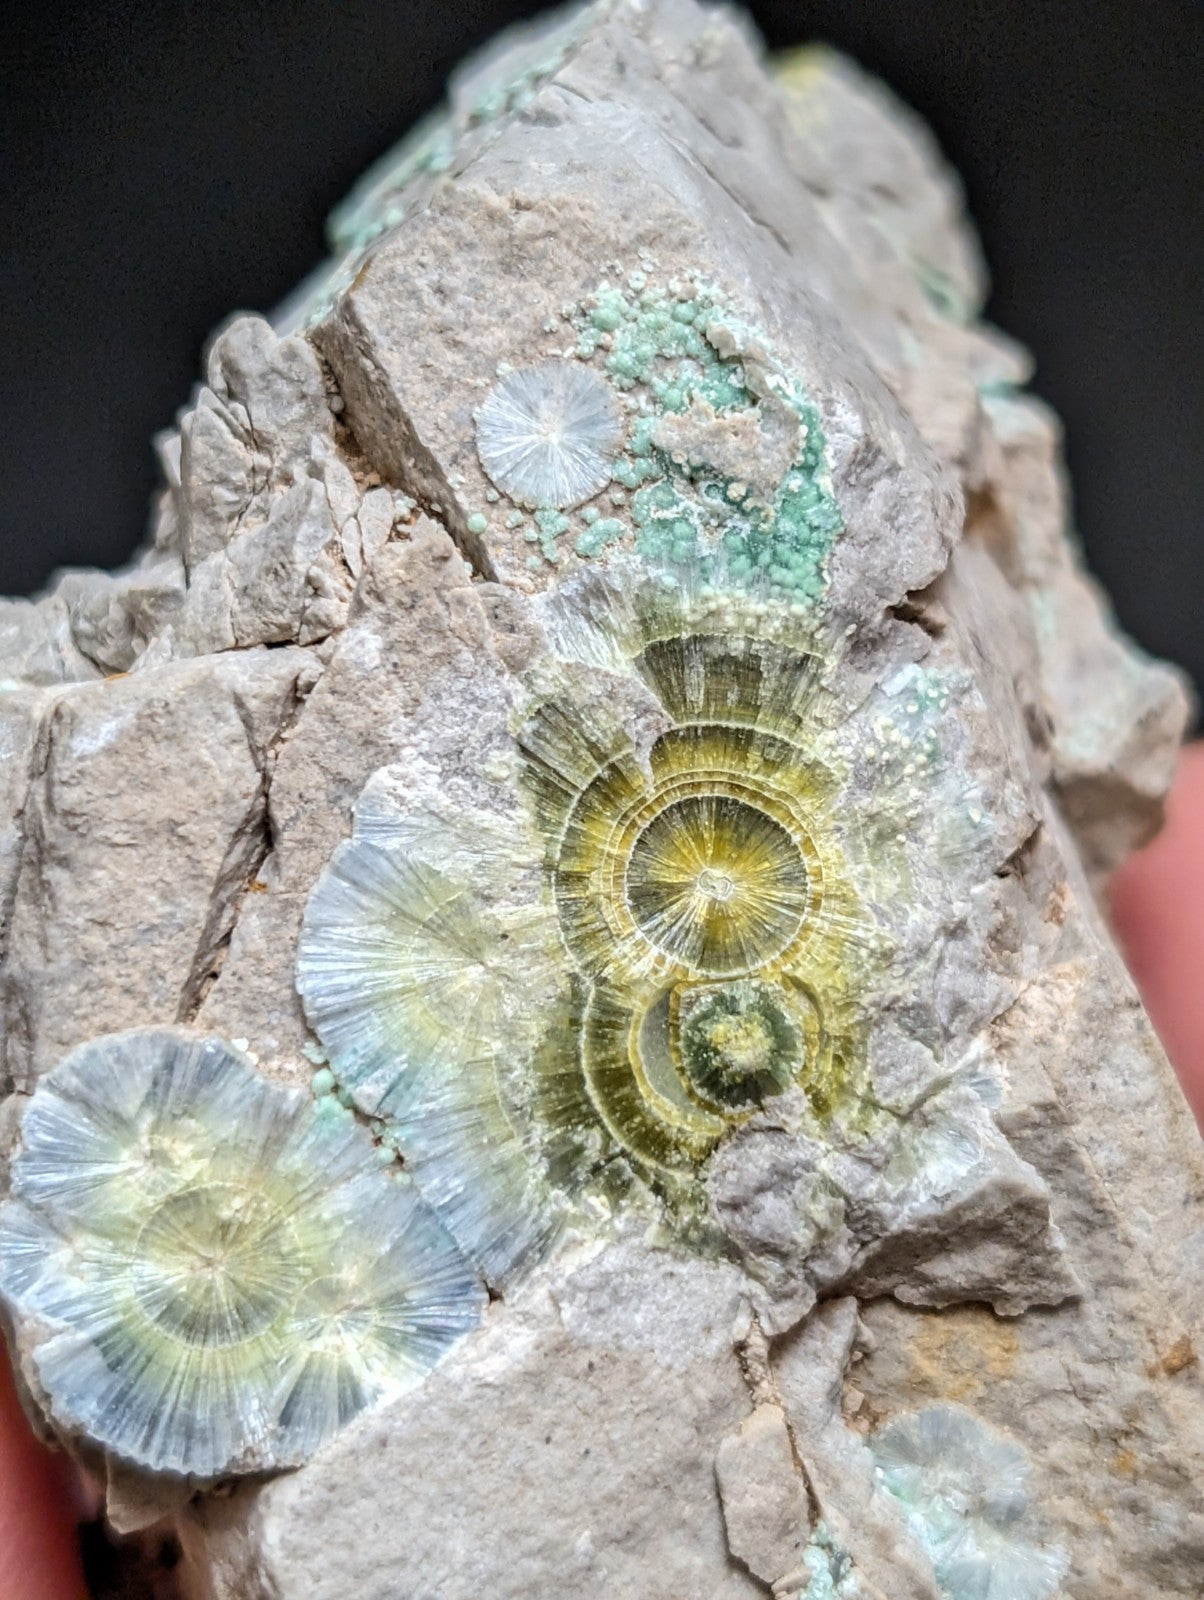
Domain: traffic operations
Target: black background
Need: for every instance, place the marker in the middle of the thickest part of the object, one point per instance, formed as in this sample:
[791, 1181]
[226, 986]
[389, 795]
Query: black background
[164, 164]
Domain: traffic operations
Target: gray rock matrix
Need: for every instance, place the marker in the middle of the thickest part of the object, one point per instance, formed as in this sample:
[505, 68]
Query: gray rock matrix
[184, 742]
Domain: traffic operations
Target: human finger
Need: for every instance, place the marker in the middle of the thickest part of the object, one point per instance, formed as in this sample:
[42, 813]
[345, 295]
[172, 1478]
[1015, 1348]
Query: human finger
[39, 1549]
[1158, 906]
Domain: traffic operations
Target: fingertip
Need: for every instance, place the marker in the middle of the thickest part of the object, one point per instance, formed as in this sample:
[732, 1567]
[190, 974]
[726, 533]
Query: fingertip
[1157, 902]
[39, 1548]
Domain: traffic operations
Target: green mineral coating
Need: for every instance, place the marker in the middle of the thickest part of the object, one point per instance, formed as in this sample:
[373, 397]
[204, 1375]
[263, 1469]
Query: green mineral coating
[998, 389]
[329, 1105]
[478, 522]
[645, 336]
[491, 106]
[918, 708]
[600, 533]
[380, 200]
[516, 92]
[515, 519]
[322, 1082]
[941, 292]
[830, 1567]
[639, 440]
[788, 543]
[667, 524]
[376, 203]
[551, 525]
[652, 343]
[927, 693]
[632, 471]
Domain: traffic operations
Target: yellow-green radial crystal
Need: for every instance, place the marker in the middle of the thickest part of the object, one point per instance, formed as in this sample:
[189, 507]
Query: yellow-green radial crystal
[717, 884]
[705, 931]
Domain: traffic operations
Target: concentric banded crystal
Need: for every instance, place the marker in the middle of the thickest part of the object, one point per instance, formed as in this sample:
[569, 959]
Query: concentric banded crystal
[689, 949]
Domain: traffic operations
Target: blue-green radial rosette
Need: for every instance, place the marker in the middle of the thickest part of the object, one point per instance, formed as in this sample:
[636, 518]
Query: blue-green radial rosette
[429, 991]
[964, 1491]
[210, 1275]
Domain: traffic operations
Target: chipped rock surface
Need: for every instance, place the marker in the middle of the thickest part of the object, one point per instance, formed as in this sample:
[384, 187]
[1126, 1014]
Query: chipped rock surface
[991, 1230]
[575, 1403]
[765, 1511]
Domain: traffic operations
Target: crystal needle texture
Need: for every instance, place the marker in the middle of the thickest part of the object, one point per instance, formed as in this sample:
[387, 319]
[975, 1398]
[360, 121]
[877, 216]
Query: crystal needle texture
[220, 1274]
[687, 946]
[964, 1489]
[546, 434]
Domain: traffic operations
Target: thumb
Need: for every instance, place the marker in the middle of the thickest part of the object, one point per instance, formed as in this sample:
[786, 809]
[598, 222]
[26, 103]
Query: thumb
[1158, 907]
[39, 1551]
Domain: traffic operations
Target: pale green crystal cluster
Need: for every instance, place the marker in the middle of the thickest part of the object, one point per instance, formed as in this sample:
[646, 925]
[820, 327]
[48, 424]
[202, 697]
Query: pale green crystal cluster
[720, 474]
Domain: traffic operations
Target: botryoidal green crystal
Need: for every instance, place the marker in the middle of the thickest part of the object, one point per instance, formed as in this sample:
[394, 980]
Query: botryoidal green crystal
[671, 359]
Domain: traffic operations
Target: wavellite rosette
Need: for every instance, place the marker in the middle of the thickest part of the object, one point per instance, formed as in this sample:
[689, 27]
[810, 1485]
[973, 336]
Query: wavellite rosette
[566, 1013]
[218, 1275]
[964, 1490]
[636, 618]
[696, 925]
[571, 1015]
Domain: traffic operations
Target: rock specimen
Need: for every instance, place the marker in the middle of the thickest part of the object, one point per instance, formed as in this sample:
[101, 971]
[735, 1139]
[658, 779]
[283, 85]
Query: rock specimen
[611, 706]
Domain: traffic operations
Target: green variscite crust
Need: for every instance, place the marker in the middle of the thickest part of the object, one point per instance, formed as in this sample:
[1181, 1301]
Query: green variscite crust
[659, 345]
[662, 341]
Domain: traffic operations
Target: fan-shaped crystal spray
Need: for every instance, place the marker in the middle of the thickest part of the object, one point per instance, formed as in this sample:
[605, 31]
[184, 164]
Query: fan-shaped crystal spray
[546, 434]
[215, 1274]
[685, 949]
[964, 1489]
